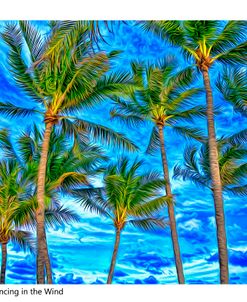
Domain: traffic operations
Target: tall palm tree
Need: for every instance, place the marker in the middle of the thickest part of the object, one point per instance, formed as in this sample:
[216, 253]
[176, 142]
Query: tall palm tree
[207, 43]
[67, 167]
[163, 99]
[62, 75]
[17, 206]
[127, 197]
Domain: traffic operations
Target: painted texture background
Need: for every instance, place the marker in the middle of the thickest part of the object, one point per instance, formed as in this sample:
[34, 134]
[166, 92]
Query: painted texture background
[81, 253]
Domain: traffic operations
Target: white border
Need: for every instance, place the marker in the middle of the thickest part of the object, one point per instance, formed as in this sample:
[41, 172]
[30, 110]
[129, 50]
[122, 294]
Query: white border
[123, 10]
[131, 293]
[128, 10]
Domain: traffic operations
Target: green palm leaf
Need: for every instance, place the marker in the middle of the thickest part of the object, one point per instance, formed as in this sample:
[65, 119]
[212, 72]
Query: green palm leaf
[233, 86]
[238, 138]
[24, 240]
[234, 55]
[13, 111]
[232, 33]
[147, 224]
[150, 207]
[237, 191]
[6, 145]
[33, 40]
[154, 142]
[190, 133]
[60, 215]
[105, 134]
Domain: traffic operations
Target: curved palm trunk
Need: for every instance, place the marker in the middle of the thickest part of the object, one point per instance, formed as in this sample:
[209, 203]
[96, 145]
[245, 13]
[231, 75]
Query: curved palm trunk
[43, 261]
[171, 212]
[216, 184]
[4, 263]
[114, 257]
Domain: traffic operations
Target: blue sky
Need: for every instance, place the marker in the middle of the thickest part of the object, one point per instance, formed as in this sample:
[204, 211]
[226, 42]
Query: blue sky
[81, 252]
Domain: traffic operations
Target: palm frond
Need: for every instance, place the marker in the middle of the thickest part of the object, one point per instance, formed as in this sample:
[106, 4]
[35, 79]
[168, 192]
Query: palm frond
[154, 141]
[131, 120]
[231, 35]
[170, 30]
[190, 133]
[238, 174]
[65, 35]
[150, 208]
[13, 111]
[189, 114]
[200, 30]
[191, 175]
[240, 191]
[105, 135]
[28, 147]
[24, 214]
[6, 145]
[238, 138]
[33, 39]
[180, 98]
[70, 179]
[234, 55]
[13, 36]
[233, 86]
[230, 154]
[148, 224]
[24, 240]
[92, 199]
[182, 78]
[60, 215]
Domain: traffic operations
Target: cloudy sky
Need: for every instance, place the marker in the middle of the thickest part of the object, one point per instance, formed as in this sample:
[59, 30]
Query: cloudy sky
[81, 252]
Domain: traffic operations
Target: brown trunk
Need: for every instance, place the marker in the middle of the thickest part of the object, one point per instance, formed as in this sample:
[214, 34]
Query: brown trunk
[171, 212]
[48, 270]
[4, 263]
[42, 249]
[216, 184]
[114, 257]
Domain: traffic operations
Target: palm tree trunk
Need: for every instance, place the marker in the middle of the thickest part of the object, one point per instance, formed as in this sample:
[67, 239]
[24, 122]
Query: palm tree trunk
[48, 269]
[4, 263]
[114, 256]
[171, 212]
[216, 183]
[42, 249]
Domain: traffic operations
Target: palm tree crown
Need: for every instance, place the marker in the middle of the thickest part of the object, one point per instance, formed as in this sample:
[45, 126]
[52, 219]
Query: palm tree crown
[126, 196]
[162, 97]
[62, 75]
[205, 41]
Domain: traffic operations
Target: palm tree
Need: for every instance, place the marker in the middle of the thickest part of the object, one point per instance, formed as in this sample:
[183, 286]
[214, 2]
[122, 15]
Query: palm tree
[17, 206]
[164, 100]
[206, 43]
[12, 192]
[127, 197]
[62, 75]
[233, 86]
[67, 167]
